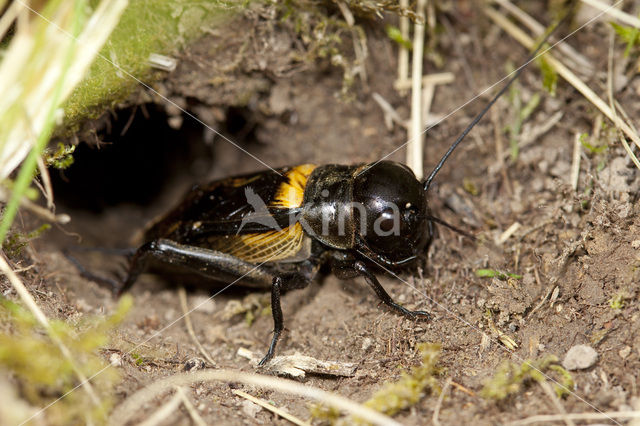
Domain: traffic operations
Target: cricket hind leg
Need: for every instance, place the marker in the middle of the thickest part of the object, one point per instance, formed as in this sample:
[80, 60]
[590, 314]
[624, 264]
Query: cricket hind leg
[382, 294]
[211, 263]
[281, 283]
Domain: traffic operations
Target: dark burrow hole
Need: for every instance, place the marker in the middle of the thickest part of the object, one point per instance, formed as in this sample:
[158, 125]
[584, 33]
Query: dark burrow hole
[139, 156]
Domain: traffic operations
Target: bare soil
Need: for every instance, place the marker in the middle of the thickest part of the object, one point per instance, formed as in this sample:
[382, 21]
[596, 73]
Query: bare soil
[576, 250]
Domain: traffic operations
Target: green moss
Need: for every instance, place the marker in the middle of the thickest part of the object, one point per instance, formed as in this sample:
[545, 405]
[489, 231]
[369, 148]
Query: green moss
[511, 378]
[494, 273]
[61, 158]
[412, 386]
[397, 396]
[149, 26]
[15, 242]
[43, 374]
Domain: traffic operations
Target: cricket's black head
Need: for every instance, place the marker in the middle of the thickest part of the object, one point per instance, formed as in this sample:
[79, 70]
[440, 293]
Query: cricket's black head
[394, 216]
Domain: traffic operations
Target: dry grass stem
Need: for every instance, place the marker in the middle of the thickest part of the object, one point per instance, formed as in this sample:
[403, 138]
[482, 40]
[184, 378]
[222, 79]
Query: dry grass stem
[618, 14]
[187, 319]
[575, 162]
[160, 416]
[555, 401]
[415, 147]
[38, 210]
[46, 183]
[403, 53]
[435, 79]
[436, 411]
[131, 406]
[278, 411]
[193, 413]
[508, 233]
[561, 69]
[612, 102]
[579, 60]
[463, 388]
[30, 90]
[390, 114]
[546, 418]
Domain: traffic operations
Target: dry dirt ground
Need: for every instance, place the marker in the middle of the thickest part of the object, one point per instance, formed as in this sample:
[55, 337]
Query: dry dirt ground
[578, 251]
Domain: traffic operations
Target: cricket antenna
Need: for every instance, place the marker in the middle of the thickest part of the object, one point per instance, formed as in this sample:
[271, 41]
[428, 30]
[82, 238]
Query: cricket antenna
[435, 171]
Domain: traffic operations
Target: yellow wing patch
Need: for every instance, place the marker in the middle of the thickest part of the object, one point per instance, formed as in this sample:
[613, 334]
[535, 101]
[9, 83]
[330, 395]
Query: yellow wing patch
[291, 192]
[262, 247]
[273, 245]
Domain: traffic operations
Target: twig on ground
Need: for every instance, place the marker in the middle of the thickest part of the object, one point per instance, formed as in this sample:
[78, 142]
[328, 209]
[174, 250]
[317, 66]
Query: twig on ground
[278, 411]
[187, 319]
[299, 365]
[436, 411]
[508, 233]
[463, 388]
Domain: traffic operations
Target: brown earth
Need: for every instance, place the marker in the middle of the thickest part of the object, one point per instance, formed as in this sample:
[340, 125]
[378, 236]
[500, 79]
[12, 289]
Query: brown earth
[576, 250]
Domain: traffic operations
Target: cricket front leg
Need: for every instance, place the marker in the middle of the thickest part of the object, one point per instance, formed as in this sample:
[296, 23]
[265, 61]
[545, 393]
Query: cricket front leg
[371, 279]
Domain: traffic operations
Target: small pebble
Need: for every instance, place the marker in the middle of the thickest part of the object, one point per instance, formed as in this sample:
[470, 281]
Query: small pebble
[580, 357]
[250, 409]
[115, 359]
[625, 352]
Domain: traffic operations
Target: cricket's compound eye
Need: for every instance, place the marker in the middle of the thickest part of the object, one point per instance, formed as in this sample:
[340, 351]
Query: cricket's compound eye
[392, 213]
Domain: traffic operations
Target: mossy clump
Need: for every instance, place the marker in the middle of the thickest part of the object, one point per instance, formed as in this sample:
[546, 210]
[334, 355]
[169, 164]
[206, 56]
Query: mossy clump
[61, 158]
[15, 242]
[397, 396]
[511, 378]
[45, 377]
